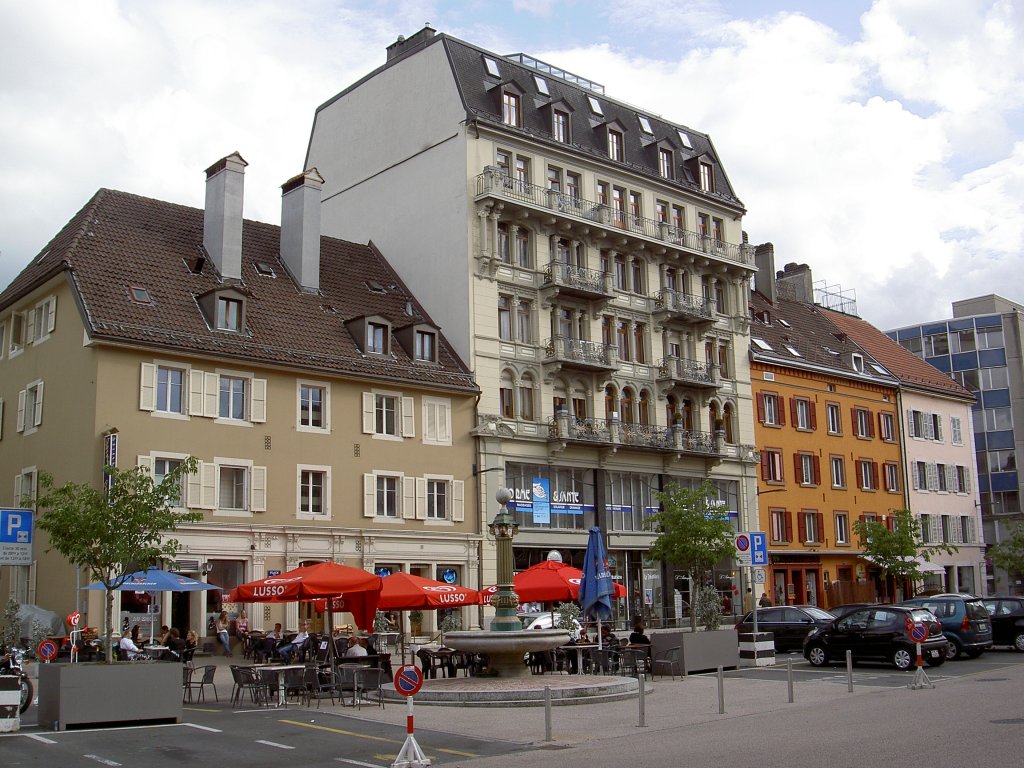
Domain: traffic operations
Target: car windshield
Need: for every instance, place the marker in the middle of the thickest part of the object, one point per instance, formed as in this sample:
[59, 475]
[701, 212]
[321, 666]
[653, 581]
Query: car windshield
[817, 613]
[975, 609]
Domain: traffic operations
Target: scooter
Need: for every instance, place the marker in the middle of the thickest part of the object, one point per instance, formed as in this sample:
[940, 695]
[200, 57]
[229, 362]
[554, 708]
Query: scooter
[11, 666]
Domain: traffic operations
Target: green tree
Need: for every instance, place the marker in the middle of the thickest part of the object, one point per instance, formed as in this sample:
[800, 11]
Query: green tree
[693, 532]
[1008, 554]
[896, 548]
[115, 530]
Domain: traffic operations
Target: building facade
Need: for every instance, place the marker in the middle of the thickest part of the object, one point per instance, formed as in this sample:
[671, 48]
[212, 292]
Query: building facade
[330, 416]
[587, 260]
[980, 347]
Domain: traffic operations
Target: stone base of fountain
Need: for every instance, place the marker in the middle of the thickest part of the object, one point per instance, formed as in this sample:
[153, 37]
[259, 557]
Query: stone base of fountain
[505, 650]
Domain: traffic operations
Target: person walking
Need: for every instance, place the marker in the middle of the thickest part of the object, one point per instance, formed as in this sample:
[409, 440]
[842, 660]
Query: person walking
[765, 601]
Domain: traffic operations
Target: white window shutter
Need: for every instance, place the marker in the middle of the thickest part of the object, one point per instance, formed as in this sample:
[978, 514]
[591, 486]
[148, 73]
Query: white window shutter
[195, 393]
[430, 428]
[928, 428]
[208, 480]
[951, 477]
[421, 498]
[258, 408]
[258, 502]
[938, 427]
[30, 326]
[444, 422]
[408, 417]
[147, 387]
[409, 498]
[21, 411]
[37, 417]
[368, 408]
[972, 530]
[17, 490]
[458, 501]
[913, 476]
[933, 477]
[967, 479]
[145, 461]
[369, 491]
[51, 314]
[910, 423]
[211, 395]
[194, 488]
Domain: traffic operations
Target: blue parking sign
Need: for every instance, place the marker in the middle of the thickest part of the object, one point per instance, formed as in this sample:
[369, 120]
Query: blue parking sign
[758, 548]
[16, 536]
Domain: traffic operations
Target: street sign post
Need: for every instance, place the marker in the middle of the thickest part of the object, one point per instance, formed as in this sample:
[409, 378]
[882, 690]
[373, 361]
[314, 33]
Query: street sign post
[16, 536]
[751, 549]
[408, 681]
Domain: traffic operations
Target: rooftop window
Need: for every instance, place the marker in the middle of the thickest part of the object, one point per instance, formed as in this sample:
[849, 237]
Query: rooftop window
[683, 137]
[595, 106]
[542, 85]
[140, 295]
[761, 344]
[492, 67]
[645, 124]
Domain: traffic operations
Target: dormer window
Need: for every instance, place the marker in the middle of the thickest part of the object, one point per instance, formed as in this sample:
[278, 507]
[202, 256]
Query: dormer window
[419, 341]
[542, 85]
[616, 145]
[560, 126]
[491, 66]
[595, 106]
[511, 109]
[857, 361]
[665, 163]
[707, 177]
[426, 346]
[229, 314]
[645, 124]
[376, 338]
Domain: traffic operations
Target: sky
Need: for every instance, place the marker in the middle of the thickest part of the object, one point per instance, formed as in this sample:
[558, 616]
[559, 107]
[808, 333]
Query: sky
[881, 143]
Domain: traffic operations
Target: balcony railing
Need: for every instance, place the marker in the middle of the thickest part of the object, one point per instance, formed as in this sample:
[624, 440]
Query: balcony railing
[612, 432]
[683, 304]
[685, 371]
[587, 354]
[494, 182]
[573, 279]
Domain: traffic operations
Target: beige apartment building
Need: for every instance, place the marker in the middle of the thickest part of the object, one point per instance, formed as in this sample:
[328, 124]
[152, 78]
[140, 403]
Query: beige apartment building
[331, 418]
[586, 257]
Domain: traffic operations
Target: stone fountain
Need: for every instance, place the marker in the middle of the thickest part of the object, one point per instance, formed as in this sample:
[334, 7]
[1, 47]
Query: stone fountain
[506, 641]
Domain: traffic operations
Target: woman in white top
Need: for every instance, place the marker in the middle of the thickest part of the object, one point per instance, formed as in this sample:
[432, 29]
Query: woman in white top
[129, 644]
[223, 627]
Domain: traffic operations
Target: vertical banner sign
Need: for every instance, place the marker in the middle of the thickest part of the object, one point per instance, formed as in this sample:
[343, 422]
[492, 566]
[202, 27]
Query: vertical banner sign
[541, 501]
[109, 457]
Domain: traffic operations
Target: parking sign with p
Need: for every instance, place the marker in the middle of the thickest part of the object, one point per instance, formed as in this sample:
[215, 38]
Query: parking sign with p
[16, 537]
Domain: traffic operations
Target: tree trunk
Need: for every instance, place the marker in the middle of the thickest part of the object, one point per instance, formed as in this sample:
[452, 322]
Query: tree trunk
[110, 625]
[693, 604]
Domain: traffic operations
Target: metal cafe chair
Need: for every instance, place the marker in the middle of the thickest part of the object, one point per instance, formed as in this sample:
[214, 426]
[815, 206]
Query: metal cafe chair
[366, 682]
[668, 658]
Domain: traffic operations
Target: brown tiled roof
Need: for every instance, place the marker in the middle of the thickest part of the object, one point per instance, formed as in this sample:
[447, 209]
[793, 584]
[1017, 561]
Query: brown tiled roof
[119, 240]
[804, 327]
[901, 363]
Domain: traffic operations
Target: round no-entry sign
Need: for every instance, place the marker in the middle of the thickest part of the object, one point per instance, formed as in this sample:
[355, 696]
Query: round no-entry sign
[919, 633]
[408, 680]
[742, 543]
[47, 650]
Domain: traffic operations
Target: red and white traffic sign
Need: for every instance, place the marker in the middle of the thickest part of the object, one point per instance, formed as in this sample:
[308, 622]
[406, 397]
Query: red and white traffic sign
[408, 680]
[47, 650]
[74, 618]
[919, 633]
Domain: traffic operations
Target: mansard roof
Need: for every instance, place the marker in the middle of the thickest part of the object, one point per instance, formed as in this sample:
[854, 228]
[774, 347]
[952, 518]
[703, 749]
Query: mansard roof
[120, 241]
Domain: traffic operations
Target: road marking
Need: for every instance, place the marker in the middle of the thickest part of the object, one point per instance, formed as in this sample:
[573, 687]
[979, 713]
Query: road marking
[274, 744]
[357, 762]
[203, 727]
[341, 731]
[197, 709]
[99, 759]
[455, 752]
[37, 737]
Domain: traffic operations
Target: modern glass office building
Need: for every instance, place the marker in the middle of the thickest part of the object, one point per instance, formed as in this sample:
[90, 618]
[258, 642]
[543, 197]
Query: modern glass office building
[981, 348]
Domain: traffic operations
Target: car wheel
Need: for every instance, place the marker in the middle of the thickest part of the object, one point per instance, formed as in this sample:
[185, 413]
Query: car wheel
[953, 650]
[903, 659]
[817, 655]
[931, 662]
[1018, 642]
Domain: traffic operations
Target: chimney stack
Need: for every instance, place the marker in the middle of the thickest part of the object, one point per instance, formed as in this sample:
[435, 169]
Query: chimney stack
[403, 44]
[222, 220]
[795, 283]
[300, 228]
[764, 278]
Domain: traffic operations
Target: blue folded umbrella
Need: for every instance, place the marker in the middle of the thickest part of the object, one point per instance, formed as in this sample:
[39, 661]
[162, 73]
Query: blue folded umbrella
[596, 587]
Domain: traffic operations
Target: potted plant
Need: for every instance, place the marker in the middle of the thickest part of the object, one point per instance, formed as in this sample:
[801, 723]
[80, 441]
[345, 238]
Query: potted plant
[452, 622]
[416, 622]
[112, 531]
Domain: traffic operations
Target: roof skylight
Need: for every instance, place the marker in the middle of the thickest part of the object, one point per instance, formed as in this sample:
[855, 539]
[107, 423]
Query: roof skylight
[595, 106]
[492, 67]
[685, 139]
[761, 344]
[542, 85]
[645, 124]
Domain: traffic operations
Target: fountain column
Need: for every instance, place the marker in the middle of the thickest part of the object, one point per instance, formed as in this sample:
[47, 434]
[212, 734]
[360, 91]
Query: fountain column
[504, 528]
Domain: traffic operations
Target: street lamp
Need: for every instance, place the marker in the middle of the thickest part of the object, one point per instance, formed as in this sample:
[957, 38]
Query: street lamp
[504, 527]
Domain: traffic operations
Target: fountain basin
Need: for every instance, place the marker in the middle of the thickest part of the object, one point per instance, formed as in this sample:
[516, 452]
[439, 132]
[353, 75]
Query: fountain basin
[505, 650]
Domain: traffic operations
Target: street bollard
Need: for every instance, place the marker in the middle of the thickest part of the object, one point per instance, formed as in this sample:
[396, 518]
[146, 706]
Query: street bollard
[721, 691]
[547, 713]
[643, 713]
[849, 671]
[789, 677]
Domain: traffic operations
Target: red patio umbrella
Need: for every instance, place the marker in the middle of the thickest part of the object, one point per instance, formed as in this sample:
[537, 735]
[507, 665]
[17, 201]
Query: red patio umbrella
[405, 592]
[546, 582]
[352, 589]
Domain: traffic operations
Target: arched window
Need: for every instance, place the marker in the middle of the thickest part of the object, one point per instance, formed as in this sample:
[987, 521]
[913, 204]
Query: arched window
[687, 415]
[506, 396]
[611, 401]
[727, 418]
[643, 414]
[713, 417]
[637, 275]
[671, 410]
[523, 257]
[525, 400]
[626, 406]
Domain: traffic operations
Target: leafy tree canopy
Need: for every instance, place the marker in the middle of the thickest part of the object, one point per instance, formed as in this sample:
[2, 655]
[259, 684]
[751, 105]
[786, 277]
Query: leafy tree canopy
[115, 530]
[897, 547]
[1008, 554]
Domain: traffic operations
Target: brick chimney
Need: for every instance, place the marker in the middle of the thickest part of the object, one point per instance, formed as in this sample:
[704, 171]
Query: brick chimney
[403, 44]
[764, 278]
[300, 228]
[222, 220]
[795, 282]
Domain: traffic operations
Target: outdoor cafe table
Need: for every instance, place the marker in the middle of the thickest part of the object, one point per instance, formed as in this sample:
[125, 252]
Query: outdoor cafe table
[579, 648]
[280, 670]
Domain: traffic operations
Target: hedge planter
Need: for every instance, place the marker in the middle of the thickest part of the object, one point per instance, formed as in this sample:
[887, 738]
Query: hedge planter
[76, 695]
[700, 651]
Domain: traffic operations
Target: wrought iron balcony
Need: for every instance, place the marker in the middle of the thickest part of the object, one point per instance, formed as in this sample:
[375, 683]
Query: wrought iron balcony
[494, 183]
[564, 428]
[577, 281]
[577, 353]
[689, 372]
[683, 306]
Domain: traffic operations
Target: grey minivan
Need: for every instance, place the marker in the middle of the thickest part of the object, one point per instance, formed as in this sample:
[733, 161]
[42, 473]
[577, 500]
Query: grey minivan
[965, 622]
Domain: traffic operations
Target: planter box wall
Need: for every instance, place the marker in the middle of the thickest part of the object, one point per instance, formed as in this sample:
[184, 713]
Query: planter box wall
[700, 651]
[79, 694]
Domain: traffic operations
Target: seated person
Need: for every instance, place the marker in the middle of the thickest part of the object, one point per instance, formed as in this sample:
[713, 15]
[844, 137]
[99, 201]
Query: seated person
[129, 645]
[355, 648]
[295, 645]
[270, 641]
[165, 633]
[637, 636]
[175, 645]
[191, 640]
[608, 638]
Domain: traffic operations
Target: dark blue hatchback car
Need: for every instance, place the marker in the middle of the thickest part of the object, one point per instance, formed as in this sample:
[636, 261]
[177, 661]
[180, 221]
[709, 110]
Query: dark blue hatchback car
[965, 622]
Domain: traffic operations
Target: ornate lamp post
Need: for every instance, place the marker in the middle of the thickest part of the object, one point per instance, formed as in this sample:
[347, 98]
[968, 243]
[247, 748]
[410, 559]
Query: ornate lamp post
[504, 527]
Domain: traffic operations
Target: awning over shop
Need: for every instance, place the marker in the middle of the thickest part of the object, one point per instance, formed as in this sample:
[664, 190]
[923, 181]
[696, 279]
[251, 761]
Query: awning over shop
[923, 566]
